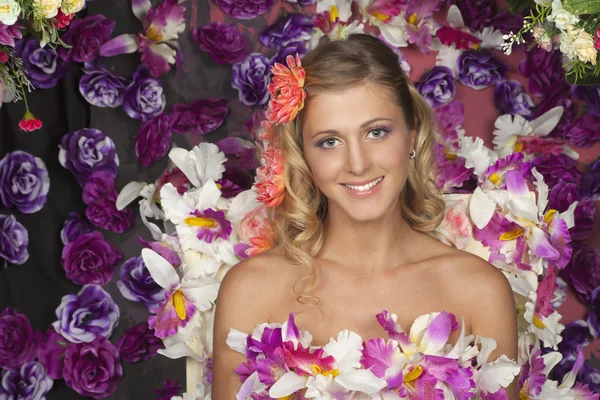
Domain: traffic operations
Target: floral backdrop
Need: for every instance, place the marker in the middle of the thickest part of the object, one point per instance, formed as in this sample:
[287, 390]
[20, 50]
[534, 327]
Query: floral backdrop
[158, 105]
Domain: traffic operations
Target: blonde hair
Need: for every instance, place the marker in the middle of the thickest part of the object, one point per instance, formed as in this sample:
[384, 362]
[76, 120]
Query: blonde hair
[335, 66]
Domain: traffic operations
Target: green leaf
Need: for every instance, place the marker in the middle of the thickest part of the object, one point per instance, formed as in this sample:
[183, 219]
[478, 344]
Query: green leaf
[588, 79]
[578, 7]
[516, 6]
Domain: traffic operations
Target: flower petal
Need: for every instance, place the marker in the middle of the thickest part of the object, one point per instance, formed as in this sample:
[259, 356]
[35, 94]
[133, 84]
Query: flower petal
[128, 194]
[161, 270]
[123, 44]
[287, 384]
[437, 334]
[481, 208]
[361, 381]
[140, 9]
[545, 123]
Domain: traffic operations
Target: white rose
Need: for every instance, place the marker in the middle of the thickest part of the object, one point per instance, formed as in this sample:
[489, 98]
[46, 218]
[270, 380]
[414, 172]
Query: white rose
[46, 8]
[567, 37]
[72, 6]
[9, 11]
[584, 47]
[561, 17]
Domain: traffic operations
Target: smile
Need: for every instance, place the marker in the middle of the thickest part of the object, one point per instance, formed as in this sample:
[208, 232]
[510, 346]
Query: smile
[365, 187]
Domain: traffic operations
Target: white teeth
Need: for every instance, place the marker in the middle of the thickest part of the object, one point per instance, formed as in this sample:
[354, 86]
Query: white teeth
[365, 187]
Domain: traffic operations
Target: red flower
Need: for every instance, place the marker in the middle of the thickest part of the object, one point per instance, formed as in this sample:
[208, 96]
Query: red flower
[462, 40]
[597, 45]
[29, 123]
[62, 20]
[3, 57]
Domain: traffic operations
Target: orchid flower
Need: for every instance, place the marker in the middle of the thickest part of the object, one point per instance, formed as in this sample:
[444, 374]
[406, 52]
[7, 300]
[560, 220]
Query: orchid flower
[157, 42]
[388, 17]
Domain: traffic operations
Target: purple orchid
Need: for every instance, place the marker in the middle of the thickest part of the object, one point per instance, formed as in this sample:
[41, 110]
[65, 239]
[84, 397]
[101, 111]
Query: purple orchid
[495, 176]
[8, 34]
[158, 44]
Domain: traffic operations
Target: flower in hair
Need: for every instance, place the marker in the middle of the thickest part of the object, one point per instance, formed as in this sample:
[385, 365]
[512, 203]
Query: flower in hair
[286, 90]
[270, 185]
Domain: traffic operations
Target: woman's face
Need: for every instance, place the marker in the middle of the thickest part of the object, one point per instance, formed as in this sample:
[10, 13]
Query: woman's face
[357, 146]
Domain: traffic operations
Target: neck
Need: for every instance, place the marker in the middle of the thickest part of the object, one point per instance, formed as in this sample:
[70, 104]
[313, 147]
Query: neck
[374, 245]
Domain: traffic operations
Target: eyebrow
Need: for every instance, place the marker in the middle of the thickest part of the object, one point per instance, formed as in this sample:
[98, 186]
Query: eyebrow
[364, 125]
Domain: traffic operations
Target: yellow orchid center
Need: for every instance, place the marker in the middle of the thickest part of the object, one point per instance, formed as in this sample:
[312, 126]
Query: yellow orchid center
[518, 147]
[414, 374]
[333, 14]
[476, 46]
[511, 235]
[219, 186]
[4, 8]
[451, 156]
[549, 216]
[412, 19]
[380, 16]
[524, 393]
[319, 371]
[538, 322]
[179, 305]
[154, 34]
[201, 222]
[495, 178]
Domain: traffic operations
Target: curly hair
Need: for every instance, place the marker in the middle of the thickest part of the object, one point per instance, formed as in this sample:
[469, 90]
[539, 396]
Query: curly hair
[335, 66]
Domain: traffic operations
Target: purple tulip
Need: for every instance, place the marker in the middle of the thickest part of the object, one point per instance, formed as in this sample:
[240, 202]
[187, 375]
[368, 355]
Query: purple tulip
[199, 117]
[90, 259]
[93, 369]
[18, 341]
[101, 87]
[30, 382]
[250, 78]
[24, 182]
[43, 66]
[136, 283]
[510, 98]
[85, 315]
[139, 343]
[585, 218]
[86, 151]
[287, 29]
[585, 132]
[562, 195]
[590, 183]
[243, 9]
[153, 140]
[85, 36]
[437, 86]
[480, 69]
[14, 240]
[144, 98]
[224, 42]
[51, 353]
[544, 70]
[100, 195]
[73, 227]
[583, 270]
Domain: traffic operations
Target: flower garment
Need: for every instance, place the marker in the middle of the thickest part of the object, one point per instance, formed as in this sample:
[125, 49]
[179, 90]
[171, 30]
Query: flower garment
[281, 362]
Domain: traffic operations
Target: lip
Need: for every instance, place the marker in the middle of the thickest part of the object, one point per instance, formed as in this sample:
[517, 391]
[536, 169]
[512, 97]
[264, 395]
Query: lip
[361, 183]
[364, 194]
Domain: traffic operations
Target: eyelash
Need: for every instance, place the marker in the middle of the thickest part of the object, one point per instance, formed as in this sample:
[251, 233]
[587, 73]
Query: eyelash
[385, 131]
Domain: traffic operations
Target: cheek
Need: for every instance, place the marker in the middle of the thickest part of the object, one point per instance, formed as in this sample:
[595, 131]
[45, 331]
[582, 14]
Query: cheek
[325, 167]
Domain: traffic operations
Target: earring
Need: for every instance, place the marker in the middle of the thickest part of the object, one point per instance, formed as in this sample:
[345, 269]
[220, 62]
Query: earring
[412, 154]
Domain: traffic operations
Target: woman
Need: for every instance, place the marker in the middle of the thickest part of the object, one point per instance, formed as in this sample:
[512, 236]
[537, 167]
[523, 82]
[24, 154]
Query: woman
[355, 229]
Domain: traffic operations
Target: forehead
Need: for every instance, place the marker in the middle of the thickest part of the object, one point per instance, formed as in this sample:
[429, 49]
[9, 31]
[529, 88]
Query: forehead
[349, 108]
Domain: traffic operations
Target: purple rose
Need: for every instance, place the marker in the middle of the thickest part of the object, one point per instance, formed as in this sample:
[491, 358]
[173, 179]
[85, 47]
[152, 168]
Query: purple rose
[153, 140]
[44, 67]
[87, 151]
[593, 318]
[18, 341]
[93, 369]
[288, 28]
[51, 353]
[73, 227]
[224, 42]
[437, 86]
[585, 132]
[14, 240]
[139, 343]
[144, 98]
[30, 382]
[90, 259]
[170, 388]
[24, 182]
[250, 78]
[136, 283]
[85, 315]
[100, 195]
[86, 35]
[510, 98]
[575, 334]
[291, 49]
[199, 117]
[8, 34]
[100, 87]
[591, 96]
[562, 195]
[477, 14]
[544, 70]
[590, 183]
[244, 9]
[557, 168]
[560, 95]
[583, 270]
[585, 218]
[480, 69]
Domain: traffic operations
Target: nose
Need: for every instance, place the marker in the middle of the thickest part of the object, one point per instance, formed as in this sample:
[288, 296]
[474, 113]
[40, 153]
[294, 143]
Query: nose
[359, 158]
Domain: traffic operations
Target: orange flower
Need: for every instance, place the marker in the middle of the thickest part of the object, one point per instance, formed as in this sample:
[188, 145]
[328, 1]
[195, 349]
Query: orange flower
[286, 90]
[270, 186]
[257, 231]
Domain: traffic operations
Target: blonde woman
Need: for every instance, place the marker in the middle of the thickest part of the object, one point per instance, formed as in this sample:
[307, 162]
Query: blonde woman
[355, 228]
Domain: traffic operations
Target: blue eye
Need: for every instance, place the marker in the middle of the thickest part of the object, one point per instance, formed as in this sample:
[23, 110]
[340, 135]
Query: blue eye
[327, 143]
[378, 133]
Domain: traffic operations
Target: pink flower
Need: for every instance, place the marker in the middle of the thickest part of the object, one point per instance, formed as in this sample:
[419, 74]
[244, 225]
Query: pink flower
[257, 231]
[3, 57]
[456, 225]
[462, 40]
[271, 184]
[597, 44]
[286, 90]
[29, 123]
[62, 20]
